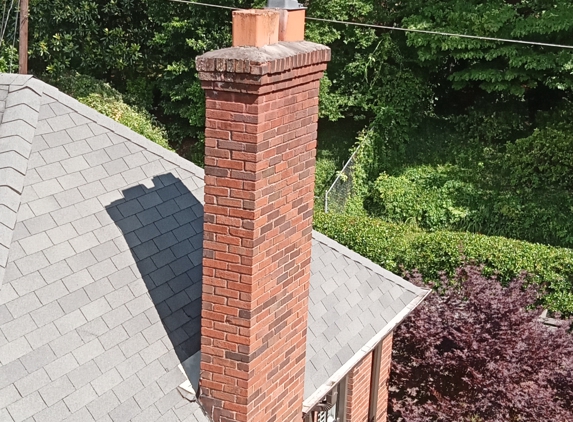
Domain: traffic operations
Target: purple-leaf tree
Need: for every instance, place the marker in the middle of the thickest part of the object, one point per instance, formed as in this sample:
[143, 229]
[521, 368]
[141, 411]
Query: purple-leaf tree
[477, 352]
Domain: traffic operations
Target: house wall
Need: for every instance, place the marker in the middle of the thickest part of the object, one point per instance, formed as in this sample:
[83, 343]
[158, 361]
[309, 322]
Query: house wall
[358, 401]
[360, 383]
[384, 378]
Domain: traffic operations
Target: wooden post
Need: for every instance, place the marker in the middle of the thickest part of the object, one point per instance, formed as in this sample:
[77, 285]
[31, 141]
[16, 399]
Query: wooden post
[23, 44]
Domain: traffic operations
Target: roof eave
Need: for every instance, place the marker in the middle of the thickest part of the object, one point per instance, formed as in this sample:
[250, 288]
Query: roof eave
[323, 390]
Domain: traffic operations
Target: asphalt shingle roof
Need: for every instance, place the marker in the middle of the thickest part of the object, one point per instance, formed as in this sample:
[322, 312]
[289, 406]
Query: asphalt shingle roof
[100, 270]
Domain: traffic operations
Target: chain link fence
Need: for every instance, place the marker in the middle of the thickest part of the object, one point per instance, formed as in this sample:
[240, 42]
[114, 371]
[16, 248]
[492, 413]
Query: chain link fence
[336, 197]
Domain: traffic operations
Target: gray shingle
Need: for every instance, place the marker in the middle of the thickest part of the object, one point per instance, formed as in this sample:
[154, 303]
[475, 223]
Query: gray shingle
[69, 197]
[81, 261]
[18, 327]
[44, 205]
[61, 366]
[38, 358]
[11, 372]
[72, 180]
[42, 335]
[82, 415]
[53, 155]
[73, 301]
[28, 283]
[133, 345]
[61, 233]
[84, 242]
[75, 164]
[26, 407]
[59, 109]
[55, 139]
[77, 148]
[54, 413]
[23, 305]
[102, 269]
[66, 215]
[88, 351]
[106, 381]
[80, 132]
[70, 321]
[92, 190]
[103, 405]
[115, 167]
[98, 289]
[66, 343]
[80, 398]
[130, 366]
[51, 292]
[59, 252]
[56, 390]
[32, 382]
[125, 411]
[95, 309]
[114, 337]
[110, 359]
[84, 374]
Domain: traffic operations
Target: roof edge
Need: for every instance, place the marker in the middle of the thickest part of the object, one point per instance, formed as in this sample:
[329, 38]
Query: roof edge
[122, 130]
[323, 390]
[366, 262]
[17, 131]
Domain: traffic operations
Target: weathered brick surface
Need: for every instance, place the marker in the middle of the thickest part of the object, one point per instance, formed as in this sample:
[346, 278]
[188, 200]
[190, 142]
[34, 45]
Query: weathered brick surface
[259, 176]
[358, 398]
[385, 364]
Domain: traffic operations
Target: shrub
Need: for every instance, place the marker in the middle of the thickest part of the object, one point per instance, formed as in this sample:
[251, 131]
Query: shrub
[477, 352]
[422, 195]
[542, 160]
[400, 247]
[103, 98]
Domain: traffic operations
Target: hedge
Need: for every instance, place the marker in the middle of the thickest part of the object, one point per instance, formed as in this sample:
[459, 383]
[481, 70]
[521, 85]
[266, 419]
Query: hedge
[400, 248]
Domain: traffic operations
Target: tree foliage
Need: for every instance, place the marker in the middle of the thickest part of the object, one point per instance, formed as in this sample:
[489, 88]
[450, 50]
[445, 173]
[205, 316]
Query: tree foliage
[477, 352]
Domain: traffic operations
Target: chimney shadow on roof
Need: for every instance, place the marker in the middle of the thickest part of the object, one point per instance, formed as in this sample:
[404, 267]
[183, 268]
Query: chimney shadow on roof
[163, 227]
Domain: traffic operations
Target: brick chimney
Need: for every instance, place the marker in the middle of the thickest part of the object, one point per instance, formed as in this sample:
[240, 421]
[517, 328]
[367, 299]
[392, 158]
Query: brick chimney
[260, 141]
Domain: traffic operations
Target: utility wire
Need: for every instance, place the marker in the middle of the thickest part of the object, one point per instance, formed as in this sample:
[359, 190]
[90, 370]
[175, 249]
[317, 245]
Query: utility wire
[445, 34]
[207, 4]
[396, 28]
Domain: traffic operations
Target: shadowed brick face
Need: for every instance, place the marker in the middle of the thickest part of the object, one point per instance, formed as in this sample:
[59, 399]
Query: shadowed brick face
[262, 113]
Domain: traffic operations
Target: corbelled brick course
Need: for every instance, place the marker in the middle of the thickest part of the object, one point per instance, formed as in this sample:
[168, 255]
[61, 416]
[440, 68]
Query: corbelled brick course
[259, 174]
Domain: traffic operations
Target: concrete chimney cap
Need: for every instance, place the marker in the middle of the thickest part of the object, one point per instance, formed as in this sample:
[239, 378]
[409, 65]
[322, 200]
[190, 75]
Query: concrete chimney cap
[284, 4]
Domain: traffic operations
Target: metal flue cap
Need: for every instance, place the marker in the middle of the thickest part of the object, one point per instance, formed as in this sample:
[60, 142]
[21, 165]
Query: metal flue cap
[284, 4]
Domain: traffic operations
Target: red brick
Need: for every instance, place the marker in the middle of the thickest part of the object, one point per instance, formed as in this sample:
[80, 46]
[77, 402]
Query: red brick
[256, 264]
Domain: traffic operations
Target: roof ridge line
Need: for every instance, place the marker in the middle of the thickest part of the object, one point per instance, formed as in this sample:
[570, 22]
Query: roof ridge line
[17, 130]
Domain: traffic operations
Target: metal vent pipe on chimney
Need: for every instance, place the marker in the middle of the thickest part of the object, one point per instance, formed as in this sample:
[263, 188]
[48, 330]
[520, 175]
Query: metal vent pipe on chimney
[292, 19]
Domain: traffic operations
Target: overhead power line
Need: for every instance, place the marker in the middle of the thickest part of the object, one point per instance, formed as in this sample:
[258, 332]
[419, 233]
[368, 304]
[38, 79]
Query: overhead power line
[207, 4]
[445, 34]
[396, 28]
